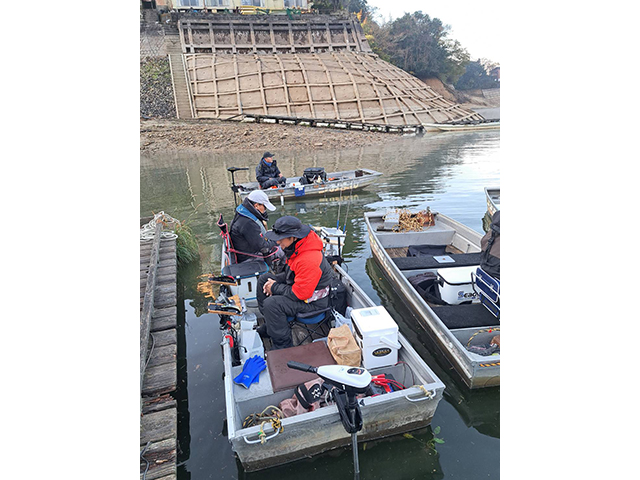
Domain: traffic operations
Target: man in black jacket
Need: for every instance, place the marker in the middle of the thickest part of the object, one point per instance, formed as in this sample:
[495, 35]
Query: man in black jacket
[248, 228]
[268, 174]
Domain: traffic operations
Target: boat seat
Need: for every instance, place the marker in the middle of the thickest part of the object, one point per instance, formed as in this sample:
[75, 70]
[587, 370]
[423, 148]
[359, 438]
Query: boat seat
[250, 268]
[311, 322]
[473, 315]
[426, 262]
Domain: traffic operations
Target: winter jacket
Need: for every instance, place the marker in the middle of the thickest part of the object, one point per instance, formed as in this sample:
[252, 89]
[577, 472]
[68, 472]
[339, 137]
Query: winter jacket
[265, 171]
[306, 271]
[247, 232]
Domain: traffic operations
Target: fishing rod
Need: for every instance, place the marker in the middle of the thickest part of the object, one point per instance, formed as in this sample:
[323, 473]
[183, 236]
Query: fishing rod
[347, 382]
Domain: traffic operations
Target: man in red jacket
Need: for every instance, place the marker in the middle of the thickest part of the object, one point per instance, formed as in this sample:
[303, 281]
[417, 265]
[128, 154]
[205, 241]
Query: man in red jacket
[303, 287]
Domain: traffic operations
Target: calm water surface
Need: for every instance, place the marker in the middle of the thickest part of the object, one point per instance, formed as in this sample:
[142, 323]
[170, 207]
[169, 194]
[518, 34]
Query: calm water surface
[447, 172]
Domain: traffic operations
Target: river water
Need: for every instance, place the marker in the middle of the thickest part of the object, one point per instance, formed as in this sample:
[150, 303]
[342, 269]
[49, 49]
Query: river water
[445, 171]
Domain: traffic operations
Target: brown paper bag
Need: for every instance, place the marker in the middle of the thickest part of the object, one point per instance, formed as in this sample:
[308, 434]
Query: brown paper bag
[343, 346]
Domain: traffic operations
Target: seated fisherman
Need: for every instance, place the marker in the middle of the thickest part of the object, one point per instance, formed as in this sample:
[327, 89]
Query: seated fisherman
[248, 228]
[268, 174]
[303, 287]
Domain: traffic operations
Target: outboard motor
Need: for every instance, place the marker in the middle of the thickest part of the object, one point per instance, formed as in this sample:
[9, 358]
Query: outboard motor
[347, 382]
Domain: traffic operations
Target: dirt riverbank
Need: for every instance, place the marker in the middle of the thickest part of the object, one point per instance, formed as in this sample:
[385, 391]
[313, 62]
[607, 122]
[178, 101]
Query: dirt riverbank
[201, 136]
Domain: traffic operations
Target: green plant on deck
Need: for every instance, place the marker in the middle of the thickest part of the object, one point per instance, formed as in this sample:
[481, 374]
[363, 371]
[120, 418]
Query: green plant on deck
[429, 444]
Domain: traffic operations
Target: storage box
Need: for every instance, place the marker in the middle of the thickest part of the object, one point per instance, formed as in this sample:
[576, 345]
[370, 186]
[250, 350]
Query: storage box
[377, 336]
[246, 275]
[455, 285]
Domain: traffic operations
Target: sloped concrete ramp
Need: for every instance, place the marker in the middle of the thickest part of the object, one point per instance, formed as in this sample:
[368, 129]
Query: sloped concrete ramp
[340, 85]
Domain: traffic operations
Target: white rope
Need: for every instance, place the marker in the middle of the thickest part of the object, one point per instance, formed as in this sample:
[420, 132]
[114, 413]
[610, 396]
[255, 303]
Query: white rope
[148, 230]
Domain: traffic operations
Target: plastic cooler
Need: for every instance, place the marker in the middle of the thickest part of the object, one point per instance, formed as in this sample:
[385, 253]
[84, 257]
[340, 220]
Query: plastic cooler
[376, 335]
[455, 285]
[246, 275]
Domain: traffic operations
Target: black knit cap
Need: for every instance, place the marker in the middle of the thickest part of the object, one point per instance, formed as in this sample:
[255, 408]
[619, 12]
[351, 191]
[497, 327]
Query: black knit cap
[288, 226]
[268, 154]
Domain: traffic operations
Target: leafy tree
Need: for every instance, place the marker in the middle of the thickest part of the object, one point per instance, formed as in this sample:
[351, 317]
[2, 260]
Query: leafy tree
[420, 45]
[476, 77]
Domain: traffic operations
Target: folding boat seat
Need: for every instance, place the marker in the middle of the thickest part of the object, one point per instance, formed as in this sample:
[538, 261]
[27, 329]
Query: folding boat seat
[488, 288]
[311, 322]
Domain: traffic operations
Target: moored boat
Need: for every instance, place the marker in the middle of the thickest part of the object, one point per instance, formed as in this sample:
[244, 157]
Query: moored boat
[438, 284]
[265, 445]
[335, 183]
[461, 127]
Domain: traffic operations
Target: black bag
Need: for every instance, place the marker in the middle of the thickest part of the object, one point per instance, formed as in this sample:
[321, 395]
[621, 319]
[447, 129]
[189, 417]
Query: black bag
[312, 174]
[338, 296]
[426, 284]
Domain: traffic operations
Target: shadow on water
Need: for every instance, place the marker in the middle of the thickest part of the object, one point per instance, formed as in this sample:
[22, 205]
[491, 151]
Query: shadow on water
[446, 172]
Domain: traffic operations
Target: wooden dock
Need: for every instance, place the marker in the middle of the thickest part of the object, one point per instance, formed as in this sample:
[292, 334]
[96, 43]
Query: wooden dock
[158, 356]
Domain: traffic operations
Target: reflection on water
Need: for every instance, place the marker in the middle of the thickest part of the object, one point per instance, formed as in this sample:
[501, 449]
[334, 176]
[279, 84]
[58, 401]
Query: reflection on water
[447, 172]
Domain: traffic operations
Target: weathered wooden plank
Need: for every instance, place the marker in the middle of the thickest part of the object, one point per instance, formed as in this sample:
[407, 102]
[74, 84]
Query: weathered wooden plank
[162, 270]
[166, 337]
[166, 301]
[162, 355]
[148, 304]
[165, 289]
[158, 426]
[165, 279]
[160, 379]
[145, 259]
[160, 313]
[163, 323]
[165, 244]
[156, 404]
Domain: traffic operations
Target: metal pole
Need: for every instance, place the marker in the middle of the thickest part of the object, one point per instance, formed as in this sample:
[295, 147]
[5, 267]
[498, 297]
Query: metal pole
[356, 465]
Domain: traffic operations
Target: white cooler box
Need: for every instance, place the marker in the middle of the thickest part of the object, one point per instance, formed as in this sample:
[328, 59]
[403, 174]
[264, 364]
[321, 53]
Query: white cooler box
[377, 336]
[455, 285]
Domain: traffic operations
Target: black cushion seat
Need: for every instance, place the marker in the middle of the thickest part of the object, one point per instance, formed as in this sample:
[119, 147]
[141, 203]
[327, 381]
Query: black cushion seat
[250, 268]
[420, 263]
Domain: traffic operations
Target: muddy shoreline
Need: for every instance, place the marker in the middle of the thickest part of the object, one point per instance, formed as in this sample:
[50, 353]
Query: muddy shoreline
[201, 136]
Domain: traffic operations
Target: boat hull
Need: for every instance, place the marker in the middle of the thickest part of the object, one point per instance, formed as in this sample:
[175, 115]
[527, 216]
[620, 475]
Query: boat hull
[493, 200]
[315, 432]
[334, 187]
[444, 127]
[475, 374]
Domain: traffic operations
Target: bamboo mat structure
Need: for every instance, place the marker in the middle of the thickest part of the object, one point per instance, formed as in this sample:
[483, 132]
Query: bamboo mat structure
[339, 85]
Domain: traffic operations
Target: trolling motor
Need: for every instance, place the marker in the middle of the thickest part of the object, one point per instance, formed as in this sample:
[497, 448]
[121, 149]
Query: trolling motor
[348, 381]
[234, 187]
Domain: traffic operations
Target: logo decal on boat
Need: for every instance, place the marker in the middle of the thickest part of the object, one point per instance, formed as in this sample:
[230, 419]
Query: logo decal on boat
[381, 352]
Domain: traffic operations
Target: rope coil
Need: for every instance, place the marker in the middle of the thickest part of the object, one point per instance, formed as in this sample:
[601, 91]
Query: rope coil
[147, 231]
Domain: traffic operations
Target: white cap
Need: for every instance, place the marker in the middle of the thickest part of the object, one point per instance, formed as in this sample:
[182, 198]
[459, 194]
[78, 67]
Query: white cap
[258, 196]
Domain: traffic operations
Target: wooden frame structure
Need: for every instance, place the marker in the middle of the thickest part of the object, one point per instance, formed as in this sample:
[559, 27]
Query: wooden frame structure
[335, 85]
[234, 34]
